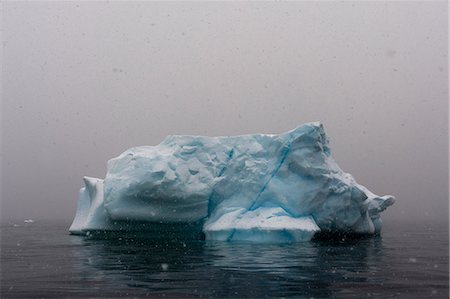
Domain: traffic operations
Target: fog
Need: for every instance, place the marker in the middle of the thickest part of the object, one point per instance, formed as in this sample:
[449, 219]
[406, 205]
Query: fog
[84, 81]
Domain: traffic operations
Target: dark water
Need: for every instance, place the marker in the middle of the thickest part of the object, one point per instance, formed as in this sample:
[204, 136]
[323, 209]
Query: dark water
[42, 260]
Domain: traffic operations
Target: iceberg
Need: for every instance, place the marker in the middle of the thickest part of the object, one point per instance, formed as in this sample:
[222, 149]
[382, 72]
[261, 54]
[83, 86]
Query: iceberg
[257, 188]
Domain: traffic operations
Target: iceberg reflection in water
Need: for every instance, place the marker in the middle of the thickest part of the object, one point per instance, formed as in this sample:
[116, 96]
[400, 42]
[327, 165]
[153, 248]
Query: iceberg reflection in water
[42, 260]
[239, 269]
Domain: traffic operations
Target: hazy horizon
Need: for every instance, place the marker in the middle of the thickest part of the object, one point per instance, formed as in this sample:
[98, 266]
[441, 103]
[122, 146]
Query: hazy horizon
[84, 81]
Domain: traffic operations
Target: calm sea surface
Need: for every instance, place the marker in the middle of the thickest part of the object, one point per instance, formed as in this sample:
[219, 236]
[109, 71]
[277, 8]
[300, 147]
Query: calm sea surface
[41, 260]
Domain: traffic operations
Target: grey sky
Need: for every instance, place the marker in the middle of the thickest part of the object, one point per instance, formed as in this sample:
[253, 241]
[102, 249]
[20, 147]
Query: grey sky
[82, 82]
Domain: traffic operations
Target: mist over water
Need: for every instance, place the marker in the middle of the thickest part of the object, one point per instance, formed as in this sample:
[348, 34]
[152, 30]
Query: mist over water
[82, 82]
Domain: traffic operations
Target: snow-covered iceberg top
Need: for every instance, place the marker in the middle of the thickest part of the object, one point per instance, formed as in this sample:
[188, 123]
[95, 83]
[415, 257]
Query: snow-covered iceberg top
[257, 187]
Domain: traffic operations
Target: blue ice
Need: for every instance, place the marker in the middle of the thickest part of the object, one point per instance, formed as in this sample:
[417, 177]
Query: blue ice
[259, 188]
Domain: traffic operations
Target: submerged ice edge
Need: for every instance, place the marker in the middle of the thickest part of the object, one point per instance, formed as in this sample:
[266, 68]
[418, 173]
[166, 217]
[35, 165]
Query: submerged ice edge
[258, 188]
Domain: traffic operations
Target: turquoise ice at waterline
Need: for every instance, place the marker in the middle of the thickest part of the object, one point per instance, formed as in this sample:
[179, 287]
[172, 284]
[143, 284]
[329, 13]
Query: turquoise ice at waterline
[259, 188]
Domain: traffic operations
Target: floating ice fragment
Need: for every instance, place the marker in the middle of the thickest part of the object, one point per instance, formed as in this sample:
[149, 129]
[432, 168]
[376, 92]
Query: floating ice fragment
[412, 260]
